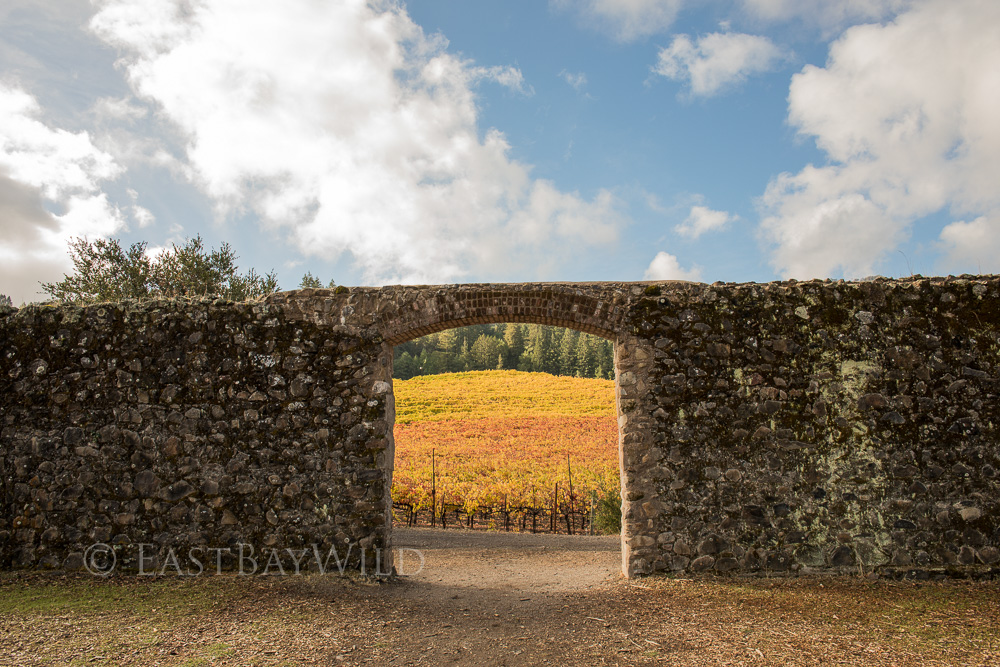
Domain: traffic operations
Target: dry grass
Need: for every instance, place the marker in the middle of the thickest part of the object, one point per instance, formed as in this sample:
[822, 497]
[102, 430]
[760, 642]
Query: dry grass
[229, 620]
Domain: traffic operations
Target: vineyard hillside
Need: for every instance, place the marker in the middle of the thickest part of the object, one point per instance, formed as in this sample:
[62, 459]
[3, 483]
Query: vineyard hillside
[501, 441]
[490, 394]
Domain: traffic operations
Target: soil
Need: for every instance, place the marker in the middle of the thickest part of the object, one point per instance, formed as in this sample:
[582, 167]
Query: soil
[495, 599]
[503, 598]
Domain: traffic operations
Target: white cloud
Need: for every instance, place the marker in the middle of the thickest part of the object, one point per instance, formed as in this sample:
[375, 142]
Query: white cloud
[118, 109]
[58, 162]
[50, 191]
[825, 14]
[717, 60]
[504, 75]
[577, 80]
[972, 247]
[906, 113]
[626, 20]
[143, 216]
[345, 125]
[666, 267]
[702, 219]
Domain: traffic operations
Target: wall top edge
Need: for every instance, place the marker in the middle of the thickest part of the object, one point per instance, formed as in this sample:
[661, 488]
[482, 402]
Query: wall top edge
[594, 287]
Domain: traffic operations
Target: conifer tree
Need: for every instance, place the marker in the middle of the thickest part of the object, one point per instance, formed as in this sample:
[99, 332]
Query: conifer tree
[567, 353]
[495, 346]
[606, 359]
[404, 368]
[449, 340]
[514, 338]
[484, 352]
[586, 355]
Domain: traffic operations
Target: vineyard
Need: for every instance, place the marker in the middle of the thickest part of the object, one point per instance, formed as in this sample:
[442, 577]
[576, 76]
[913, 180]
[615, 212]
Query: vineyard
[506, 450]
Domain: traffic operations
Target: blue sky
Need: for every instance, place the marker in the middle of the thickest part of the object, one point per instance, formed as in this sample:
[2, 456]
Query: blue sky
[445, 141]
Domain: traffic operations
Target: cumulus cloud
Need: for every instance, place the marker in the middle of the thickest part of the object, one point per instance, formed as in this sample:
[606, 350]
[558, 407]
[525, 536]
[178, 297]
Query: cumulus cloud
[906, 113]
[666, 267]
[702, 219]
[717, 60]
[626, 20]
[825, 14]
[58, 162]
[349, 128]
[50, 190]
[972, 246]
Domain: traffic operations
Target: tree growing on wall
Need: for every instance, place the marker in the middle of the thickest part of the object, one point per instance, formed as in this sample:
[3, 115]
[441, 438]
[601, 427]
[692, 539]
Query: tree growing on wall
[309, 280]
[105, 271]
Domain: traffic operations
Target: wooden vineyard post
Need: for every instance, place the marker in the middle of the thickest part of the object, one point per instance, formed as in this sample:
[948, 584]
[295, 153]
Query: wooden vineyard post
[555, 509]
[593, 500]
[444, 513]
[433, 487]
[534, 510]
[569, 514]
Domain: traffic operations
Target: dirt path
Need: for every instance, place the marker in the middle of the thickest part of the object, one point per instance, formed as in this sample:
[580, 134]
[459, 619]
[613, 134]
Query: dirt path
[494, 599]
[499, 598]
[521, 599]
[509, 561]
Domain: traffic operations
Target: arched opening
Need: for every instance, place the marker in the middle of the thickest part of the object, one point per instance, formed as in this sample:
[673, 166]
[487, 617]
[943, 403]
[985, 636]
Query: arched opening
[389, 315]
[538, 399]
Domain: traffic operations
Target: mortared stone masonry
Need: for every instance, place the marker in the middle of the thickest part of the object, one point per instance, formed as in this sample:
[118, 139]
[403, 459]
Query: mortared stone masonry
[763, 428]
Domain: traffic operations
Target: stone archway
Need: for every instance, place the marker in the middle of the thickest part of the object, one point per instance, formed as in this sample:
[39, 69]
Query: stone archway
[394, 314]
[387, 316]
[594, 308]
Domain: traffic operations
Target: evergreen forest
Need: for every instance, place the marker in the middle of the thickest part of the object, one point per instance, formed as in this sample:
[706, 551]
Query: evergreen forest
[522, 347]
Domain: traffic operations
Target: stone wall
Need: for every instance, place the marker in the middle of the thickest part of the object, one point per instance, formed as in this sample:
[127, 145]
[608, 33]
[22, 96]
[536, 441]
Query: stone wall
[182, 425]
[818, 426]
[780, 428]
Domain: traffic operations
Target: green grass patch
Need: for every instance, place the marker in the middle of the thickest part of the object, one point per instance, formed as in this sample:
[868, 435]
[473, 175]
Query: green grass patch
[29, 594]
